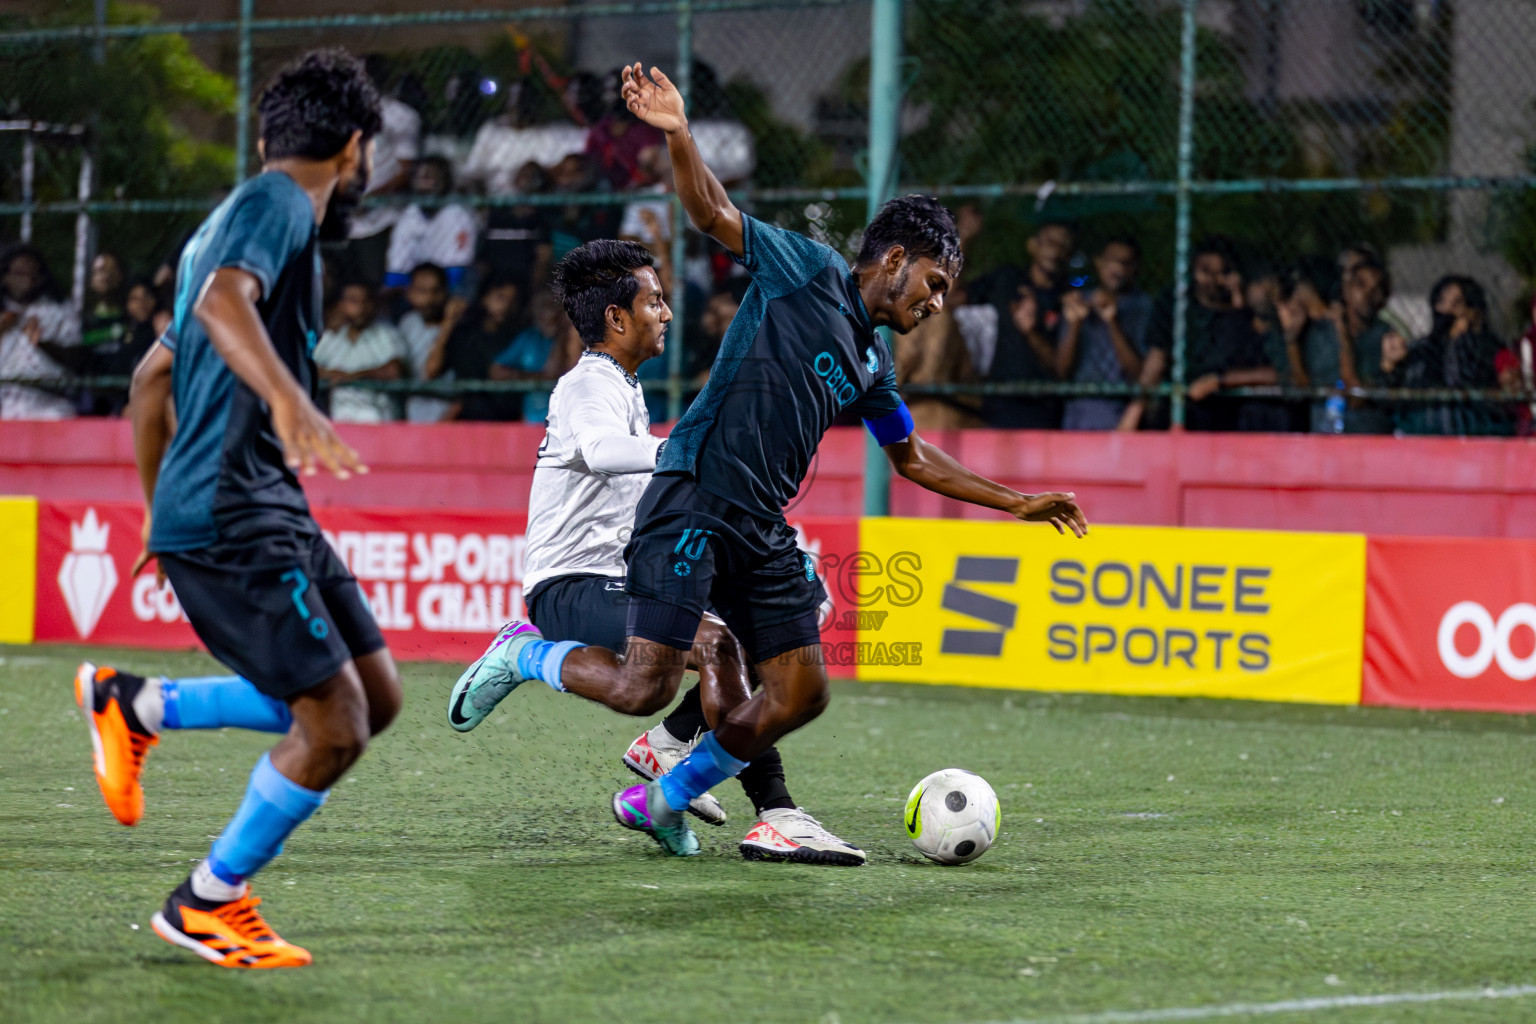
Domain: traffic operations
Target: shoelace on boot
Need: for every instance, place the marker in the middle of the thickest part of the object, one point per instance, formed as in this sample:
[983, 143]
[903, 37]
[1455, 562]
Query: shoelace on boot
[243, 917]
[811, 826]
[138, 747]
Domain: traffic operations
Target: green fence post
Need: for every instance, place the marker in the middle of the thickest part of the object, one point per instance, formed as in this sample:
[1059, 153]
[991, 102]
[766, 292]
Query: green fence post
[243, 96]
[683, 79]
[884, 128]
[1181, 215]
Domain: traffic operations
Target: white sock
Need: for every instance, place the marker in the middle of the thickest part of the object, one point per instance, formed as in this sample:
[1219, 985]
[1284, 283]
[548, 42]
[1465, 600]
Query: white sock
[662, 737]
[149, 705]
[208, 886]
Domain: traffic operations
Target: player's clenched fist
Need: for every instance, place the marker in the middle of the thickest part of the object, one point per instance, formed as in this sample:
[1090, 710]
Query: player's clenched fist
[308, 437]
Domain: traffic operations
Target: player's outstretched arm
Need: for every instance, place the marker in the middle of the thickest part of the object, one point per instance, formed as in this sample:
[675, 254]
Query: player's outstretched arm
[149, 409]
[934, 469]
[227, 311]
[656, 101]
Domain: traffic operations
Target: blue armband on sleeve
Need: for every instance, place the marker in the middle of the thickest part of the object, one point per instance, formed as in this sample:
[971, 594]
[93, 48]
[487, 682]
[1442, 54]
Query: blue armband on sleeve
[892, 427]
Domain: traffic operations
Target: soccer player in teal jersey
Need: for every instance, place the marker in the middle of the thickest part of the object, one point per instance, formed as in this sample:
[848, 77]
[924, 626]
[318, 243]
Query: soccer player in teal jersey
[710, 529]
[230, 525]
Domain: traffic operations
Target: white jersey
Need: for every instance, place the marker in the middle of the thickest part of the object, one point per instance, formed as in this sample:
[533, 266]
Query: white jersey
[596, 459]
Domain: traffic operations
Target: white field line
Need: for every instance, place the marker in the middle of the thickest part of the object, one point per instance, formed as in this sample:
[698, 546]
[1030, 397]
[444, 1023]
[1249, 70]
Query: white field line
[1284, 1006]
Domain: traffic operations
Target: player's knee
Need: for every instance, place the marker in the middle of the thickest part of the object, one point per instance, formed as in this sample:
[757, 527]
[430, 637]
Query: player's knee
[802, 705]
[815, 702]
[342, 745]
[384, 701]
[646, 694]
[715, 645]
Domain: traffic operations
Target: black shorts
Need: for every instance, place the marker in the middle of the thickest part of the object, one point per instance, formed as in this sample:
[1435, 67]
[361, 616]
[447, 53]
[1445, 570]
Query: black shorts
[287, 618]
[691, 551]
[588, 609]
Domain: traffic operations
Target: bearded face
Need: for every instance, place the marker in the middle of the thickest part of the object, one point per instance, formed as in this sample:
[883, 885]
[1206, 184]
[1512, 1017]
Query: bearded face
[346, 198]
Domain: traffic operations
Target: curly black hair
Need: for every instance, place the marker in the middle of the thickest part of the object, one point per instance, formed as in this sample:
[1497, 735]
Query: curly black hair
[919, 224]
[597, 275]
[311, 107]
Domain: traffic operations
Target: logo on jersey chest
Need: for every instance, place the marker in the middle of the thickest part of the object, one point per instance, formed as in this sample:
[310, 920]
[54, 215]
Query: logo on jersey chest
[832, 375]
[871, 360]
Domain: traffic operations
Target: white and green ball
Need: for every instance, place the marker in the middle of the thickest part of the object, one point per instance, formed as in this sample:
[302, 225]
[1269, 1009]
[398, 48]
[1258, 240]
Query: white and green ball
[952, 816]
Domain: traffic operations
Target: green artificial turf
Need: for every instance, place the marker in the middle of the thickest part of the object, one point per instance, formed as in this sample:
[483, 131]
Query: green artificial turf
[1154, 854]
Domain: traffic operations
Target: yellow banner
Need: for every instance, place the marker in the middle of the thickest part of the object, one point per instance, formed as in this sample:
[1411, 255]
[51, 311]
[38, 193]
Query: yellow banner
[18, 568]
[1131, 610]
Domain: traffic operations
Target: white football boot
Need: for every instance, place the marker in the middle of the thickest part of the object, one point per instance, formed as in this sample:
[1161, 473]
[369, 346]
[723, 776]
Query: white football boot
[791, 834]
[657, 752]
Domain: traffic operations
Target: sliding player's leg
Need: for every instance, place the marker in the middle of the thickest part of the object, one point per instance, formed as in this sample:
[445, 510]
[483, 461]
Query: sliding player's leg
[772, 607]
[783, 830]
[723, 684]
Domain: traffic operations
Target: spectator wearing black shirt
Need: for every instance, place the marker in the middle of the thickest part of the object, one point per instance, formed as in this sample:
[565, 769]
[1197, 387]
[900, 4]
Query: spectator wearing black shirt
[1223, 348]
[1028, 316]
[577, 223]
[105, 320]
[144, 320]
[1459, 352]
[478, 335]
[516, 242]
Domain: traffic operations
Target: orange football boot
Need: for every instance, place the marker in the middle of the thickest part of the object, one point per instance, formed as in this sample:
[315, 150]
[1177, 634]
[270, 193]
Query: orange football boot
[229, 934]
[118, 746]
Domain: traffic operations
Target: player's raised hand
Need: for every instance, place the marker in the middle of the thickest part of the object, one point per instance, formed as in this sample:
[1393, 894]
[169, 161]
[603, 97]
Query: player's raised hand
[308, 438]
[654, 100]
[1057, 508]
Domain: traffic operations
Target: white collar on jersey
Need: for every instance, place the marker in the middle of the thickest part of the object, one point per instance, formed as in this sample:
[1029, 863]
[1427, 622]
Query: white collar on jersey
[629, 378]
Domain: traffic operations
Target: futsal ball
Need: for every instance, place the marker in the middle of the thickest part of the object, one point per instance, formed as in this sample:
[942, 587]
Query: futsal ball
[952, 816]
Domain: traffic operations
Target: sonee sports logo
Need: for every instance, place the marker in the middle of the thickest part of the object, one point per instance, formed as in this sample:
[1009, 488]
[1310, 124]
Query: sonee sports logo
[1493, 640]
[998, 614]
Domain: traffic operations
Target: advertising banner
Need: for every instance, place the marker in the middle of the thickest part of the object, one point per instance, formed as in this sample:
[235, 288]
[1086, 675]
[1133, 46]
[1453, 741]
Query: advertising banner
[1130, 610]
[18, 567]
[1451, 623]
[439, 582]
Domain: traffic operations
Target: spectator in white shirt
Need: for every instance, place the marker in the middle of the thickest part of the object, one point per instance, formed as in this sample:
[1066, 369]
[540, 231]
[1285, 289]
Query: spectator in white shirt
[360, 347]
[425, 328]
[31, 317]
[431, 230]
[504, 145]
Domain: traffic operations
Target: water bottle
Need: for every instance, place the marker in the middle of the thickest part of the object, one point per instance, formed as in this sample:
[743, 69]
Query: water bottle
[1333, 410]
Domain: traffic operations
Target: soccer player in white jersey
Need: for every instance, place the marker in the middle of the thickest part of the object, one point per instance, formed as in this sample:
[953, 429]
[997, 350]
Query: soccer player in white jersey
[595, 462]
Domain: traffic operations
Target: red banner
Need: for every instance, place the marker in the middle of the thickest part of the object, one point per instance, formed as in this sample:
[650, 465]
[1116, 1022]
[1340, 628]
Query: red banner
[438, 582]
[1450, 623]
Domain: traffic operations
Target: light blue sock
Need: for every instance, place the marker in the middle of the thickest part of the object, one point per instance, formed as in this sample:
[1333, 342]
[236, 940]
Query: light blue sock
[211, 702]
[542, 660]
[702, 770]
[274, 806]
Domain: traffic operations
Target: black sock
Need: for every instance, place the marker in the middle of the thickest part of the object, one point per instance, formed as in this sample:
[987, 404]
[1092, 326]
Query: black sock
[128, 687]
[763, 782]
[687, 719]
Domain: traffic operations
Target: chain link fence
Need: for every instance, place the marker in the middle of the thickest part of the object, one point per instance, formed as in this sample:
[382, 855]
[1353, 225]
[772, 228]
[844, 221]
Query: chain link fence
[1305, 136]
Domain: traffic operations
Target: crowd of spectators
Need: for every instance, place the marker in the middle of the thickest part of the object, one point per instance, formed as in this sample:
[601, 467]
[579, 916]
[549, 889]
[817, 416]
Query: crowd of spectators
[1250, 326]
[431, 288]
